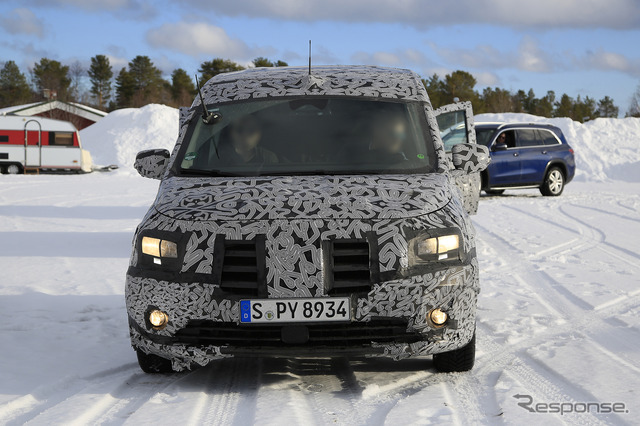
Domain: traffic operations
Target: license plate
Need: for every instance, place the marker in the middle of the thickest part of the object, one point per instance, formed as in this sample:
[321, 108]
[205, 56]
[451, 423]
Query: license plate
[295, 310]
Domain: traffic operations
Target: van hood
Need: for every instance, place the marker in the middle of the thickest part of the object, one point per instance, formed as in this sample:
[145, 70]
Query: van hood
[302, 197]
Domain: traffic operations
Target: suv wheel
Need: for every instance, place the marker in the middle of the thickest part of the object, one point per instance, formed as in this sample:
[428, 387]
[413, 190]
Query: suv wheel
[152, 364]
[494, 191]
[459, 360]
[553, 184]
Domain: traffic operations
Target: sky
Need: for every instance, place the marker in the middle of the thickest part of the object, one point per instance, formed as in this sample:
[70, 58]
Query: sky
[579, 47]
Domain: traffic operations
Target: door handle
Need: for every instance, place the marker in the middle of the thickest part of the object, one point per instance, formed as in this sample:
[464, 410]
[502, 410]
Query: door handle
[544, 152]
[515, 154]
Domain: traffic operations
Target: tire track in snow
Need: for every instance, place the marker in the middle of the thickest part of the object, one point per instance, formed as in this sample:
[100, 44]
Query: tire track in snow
[41, 399]
[577, 314]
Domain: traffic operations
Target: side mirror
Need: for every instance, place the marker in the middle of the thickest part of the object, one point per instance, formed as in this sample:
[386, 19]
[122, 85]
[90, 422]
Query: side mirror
[152, 163]
[470, 157]
[499, 147]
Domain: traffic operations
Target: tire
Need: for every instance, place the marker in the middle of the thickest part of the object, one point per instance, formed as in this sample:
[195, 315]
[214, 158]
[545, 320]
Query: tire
[494, 191]
[13, 169]
[553, 184]
[461, 359]
[153, 364]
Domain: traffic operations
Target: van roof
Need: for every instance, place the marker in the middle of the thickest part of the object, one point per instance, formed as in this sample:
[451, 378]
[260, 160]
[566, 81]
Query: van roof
[346, 80]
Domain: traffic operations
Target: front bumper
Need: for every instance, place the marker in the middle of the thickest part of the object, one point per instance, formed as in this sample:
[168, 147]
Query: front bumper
[390, 320]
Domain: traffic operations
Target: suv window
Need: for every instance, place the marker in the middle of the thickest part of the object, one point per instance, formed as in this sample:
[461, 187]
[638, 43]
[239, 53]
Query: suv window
[309, 135]
[548, 137]
[528, 137]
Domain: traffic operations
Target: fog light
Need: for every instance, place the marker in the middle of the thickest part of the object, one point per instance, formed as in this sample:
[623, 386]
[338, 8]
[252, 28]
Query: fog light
[158, 319]
[438, 317]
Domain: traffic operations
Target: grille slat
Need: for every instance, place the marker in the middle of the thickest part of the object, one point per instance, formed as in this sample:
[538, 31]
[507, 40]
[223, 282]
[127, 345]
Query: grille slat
[350, 269]
[205, 332]
[241, 265]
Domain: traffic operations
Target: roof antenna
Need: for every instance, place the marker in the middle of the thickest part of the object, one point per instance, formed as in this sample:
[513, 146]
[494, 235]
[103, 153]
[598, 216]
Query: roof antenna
[207, 117]
[309, 57]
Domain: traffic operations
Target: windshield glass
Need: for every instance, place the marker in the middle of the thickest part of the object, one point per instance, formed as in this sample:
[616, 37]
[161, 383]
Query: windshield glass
[309, 135]
[484, 135]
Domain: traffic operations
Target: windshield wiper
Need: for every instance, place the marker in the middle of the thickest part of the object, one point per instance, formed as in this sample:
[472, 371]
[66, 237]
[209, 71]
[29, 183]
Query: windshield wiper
[202, 172]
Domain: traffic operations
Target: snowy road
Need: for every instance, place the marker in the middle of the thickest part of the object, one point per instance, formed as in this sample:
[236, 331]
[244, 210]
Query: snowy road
[559, 322]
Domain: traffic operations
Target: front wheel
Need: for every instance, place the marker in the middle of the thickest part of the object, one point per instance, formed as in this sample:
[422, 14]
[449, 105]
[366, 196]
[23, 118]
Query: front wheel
[461, 359]
[153, 364]
[553, 184]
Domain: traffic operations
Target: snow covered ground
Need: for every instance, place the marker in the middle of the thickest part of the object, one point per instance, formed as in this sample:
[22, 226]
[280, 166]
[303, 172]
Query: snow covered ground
[559, 318]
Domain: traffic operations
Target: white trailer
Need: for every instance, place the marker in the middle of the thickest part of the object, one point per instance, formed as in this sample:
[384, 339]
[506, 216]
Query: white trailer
[36, 143]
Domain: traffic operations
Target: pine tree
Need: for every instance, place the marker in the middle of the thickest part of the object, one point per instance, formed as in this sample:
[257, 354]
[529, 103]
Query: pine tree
[495, 100]
[606, 108]
[544, 106]
[460, 84]
[261, 61]
[182, 87]
[14, 89]
[634, 106]
[564, 108]
[435, 90]
[147, 81]
[280, 63]
[100, 74]
[217, 66]
[125, 89]
[51, 75]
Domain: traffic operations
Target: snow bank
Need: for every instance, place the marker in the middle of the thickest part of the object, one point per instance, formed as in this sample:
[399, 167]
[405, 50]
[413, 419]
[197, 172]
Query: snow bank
[605, 148]
[117, 138]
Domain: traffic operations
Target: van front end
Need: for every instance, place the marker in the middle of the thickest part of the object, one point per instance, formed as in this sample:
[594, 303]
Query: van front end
[394, 287]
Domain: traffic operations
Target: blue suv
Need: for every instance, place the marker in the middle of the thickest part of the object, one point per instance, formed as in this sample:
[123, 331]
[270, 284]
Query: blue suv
[526, 155]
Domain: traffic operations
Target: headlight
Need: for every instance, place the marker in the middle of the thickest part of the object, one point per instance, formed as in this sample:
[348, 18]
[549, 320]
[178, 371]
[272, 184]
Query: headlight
[424, 249]
[159, 248]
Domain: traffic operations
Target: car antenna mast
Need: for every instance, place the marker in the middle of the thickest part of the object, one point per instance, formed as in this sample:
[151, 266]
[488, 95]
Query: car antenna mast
[207, 117]
[309, 57]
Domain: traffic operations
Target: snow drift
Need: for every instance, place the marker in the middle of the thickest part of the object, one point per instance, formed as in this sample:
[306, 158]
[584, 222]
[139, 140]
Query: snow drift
[604, 147]
[119, 136]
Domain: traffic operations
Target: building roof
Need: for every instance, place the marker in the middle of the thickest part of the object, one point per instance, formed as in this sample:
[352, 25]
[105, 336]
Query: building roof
[74, 108]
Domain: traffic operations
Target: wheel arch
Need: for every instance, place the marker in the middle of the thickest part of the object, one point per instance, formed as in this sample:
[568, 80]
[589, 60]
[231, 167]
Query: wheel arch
[555, 163]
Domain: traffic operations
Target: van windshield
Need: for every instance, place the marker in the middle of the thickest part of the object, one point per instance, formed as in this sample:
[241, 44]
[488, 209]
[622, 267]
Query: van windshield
[308, 136]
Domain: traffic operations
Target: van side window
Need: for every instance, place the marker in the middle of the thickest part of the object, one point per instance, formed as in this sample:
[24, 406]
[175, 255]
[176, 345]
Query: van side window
[61, 138]
[4, 138]
[548, 137]
[527, 137]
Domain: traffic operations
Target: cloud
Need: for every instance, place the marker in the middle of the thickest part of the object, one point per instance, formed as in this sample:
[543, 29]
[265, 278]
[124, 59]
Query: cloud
[128, 9]
[528, 57]
[615, 14]
[22, 21]
[401, 58]
[531, 57]
[609, 61]
[198, 39]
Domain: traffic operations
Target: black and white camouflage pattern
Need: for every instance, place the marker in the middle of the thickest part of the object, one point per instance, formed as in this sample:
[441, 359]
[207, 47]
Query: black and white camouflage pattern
[152, 163]
[296, 214]
[470, 158]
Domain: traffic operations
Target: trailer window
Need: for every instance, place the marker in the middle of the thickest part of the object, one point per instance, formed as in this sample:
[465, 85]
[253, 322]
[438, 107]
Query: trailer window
[60, 139]
[4, 139]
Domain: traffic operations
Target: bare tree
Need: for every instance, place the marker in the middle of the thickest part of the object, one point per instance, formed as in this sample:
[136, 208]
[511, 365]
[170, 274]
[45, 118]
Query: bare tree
[76, 72]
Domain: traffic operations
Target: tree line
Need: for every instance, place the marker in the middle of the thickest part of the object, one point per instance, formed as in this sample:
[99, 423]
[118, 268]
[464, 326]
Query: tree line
[141, 82]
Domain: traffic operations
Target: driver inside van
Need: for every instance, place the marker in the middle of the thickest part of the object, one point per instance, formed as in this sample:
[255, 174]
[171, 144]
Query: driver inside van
[243, 145]
[388, 133]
